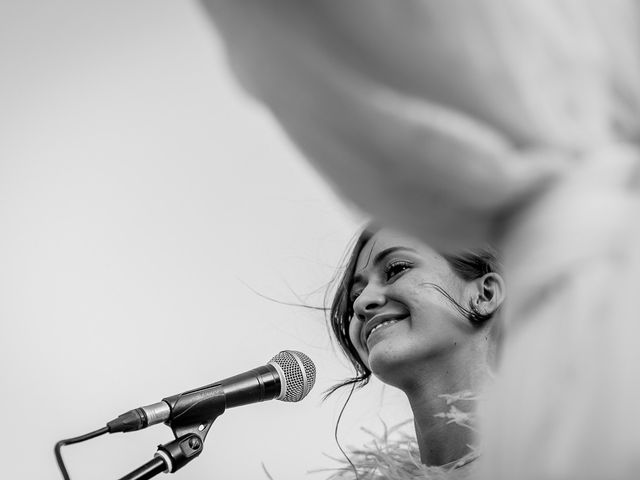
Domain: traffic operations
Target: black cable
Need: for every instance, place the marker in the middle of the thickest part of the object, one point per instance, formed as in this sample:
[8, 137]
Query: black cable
[335, 432]
[70, 441]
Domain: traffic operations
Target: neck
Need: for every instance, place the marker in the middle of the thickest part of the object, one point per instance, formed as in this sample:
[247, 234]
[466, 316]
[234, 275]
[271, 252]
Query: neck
[440, 440]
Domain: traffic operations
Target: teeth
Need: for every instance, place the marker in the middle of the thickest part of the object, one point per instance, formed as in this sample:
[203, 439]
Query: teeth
[386, 322]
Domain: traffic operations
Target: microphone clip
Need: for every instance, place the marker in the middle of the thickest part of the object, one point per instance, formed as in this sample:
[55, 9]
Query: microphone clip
[192, 414]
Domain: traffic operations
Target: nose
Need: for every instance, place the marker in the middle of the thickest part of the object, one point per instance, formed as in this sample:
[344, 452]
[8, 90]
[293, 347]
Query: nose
[368, 302]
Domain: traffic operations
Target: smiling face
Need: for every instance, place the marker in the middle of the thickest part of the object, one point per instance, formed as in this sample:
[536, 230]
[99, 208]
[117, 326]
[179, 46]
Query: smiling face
[402, 320]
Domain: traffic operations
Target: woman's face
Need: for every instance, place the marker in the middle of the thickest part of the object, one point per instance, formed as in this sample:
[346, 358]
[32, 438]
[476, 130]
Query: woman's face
[400, 320]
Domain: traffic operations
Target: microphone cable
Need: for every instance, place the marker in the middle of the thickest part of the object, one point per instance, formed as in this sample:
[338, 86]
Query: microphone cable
[71, 441]
[335, 431]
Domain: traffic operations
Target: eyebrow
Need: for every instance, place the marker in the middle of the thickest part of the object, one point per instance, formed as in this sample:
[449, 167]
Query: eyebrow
[380, 256]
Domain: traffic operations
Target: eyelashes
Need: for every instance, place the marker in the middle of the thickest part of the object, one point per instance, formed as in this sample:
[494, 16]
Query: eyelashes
[395, 268]
[352, 298]
[389, 273]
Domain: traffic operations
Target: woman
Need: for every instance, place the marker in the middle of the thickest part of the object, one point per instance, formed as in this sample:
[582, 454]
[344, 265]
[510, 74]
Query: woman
[424, 323]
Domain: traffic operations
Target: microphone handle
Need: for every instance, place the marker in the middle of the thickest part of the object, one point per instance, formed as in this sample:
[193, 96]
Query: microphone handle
[257, 385]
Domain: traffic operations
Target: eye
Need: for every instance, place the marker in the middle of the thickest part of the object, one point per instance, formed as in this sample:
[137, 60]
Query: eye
[396, 268]
[354, 295]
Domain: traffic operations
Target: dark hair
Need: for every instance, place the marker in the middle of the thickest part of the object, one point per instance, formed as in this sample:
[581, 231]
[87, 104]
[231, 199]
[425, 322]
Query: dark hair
[468, 265]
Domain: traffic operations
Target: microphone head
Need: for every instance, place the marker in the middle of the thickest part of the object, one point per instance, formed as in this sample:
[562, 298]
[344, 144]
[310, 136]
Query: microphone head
[297, 375]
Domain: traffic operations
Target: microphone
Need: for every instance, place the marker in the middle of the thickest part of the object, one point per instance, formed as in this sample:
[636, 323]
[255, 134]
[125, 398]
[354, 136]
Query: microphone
[289, 376]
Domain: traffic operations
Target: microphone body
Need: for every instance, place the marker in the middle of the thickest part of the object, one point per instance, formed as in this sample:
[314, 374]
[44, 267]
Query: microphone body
[256, 385]
[289, 376]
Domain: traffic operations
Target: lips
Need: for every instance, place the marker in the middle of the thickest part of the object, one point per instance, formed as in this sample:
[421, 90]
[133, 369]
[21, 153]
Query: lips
[378, 321]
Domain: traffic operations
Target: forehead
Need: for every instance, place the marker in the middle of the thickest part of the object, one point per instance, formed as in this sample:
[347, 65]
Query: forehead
[385, 239]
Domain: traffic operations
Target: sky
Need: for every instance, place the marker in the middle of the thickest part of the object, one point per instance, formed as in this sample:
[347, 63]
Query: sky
[153, 221]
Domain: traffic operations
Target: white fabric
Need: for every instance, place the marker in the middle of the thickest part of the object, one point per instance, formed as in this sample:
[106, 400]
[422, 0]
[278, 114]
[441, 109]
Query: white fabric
[514, 121]
[565, 401]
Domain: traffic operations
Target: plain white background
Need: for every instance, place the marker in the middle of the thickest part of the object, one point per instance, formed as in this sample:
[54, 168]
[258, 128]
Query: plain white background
[144, 200]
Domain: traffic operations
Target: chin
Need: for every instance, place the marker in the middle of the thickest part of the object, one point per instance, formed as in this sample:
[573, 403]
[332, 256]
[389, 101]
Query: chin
[400, 365]
[389, 366]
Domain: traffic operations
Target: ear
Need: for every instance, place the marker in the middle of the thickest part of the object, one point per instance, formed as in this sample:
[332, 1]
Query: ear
[489, 293]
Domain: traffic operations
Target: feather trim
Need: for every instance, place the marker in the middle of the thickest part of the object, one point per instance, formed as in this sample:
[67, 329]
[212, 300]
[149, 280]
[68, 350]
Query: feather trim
[394, 454]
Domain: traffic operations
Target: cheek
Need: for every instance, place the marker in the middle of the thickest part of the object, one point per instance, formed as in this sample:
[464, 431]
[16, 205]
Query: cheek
[439, 325]
[354, 332]
[354, 335]
[428, 298]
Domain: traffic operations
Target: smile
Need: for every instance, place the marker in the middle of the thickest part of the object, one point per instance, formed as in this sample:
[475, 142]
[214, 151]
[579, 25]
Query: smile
[380, 325]
[380, 322]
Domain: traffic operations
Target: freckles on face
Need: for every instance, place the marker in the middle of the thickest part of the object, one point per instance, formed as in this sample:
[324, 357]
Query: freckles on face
[382, 260]
[394, 278]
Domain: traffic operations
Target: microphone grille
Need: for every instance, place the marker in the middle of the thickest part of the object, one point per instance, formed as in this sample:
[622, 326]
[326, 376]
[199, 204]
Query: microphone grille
[299, 375]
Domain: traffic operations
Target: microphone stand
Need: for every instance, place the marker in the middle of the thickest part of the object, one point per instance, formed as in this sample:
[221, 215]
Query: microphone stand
[169, 458]
[148, 470]
[192, 414]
